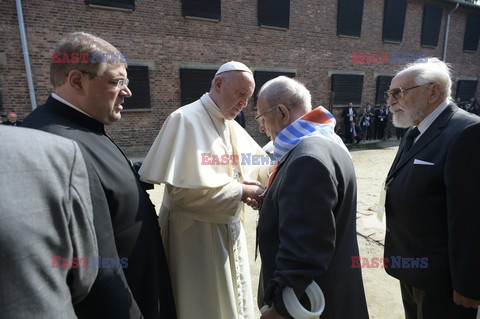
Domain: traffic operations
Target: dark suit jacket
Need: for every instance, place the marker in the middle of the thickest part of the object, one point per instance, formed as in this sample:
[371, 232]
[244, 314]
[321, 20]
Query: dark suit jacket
[125, 222]
[346, 117]
[358, 131]
[307, 229]
[45, 212]
[433, 210]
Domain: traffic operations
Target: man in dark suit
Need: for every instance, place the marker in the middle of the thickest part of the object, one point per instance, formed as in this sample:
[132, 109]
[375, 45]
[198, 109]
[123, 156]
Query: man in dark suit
[46, 226]
[432, 197]
[349, 115]
[87, 97]
[381, 122]
[306, 229]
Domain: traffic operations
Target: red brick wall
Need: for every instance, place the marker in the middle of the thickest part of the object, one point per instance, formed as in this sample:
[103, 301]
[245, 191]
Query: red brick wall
[157, 34]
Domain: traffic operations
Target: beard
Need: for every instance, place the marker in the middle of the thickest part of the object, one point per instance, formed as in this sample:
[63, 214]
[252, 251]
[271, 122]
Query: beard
[407, 117]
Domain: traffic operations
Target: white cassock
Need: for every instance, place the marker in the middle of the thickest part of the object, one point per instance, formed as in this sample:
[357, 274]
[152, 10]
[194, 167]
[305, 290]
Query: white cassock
[200, 213]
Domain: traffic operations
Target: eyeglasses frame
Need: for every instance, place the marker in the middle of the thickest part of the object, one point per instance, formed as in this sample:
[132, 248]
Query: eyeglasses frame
[388, 94]
[261, 116]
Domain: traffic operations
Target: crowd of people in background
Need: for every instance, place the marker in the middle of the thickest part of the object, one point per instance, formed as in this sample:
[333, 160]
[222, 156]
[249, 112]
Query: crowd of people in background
[472, 106]
[374, 123]
[367, 124]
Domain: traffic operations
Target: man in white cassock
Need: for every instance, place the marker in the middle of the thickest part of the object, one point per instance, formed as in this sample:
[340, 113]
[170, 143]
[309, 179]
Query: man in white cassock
[209, 165]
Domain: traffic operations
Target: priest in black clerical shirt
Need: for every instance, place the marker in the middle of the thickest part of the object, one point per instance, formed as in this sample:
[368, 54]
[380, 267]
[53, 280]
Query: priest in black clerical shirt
[88, 96]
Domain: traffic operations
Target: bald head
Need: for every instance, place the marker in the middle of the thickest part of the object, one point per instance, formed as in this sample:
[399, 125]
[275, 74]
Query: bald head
[289, 92]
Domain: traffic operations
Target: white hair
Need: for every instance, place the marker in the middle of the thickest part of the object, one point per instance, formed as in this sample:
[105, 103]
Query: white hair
[431, 71]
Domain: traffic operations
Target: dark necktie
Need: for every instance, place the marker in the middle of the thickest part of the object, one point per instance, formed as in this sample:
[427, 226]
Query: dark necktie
[409, 140]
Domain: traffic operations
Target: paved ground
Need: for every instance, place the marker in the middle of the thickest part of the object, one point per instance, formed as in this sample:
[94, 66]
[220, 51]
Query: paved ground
[372, 161]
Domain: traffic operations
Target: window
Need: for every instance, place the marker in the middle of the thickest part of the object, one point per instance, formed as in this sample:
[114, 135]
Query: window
[194, 83]
[432, 18]
[383, 84]
[472, 33]
[347, 88]
[466, 89]
[274, 13]
[394, 20]
[140, 87]
[349, 17]
[119, 4]
[262, 77]
[207, 9]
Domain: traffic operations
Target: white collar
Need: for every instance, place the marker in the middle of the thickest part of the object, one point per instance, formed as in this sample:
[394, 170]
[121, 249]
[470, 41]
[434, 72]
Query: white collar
[58, 98]
[426, 122]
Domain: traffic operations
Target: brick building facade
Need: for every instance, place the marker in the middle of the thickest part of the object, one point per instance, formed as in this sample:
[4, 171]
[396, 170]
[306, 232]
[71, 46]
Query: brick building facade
[161, 39]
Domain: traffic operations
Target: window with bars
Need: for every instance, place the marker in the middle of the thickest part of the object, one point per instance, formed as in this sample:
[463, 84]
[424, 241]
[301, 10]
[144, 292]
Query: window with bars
[194, 83]
[466, 90]
[206, 9]
[262, 77]
[394, 20]
[383, 84]
[472, 33]
[346, 88]
[274, 13]
[119, 4]
[140, 87]
[432, 19]
[349, 17]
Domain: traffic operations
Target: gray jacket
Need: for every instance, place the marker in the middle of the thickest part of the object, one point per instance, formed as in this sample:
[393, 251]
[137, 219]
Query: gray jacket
[45, 211]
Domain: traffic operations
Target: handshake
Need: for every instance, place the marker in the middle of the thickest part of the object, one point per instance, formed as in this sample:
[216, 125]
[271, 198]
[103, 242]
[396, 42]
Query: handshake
[252, 194]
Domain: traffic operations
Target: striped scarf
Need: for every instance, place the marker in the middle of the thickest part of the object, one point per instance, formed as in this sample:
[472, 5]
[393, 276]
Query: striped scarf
[318, 122]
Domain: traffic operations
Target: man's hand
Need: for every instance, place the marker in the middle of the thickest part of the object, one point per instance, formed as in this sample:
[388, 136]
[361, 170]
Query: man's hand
[252, 194]
[465, 301]
[271, 314]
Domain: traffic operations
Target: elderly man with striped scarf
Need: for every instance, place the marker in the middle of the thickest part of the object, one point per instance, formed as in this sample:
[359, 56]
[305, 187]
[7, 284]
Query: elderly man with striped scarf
[306, 229]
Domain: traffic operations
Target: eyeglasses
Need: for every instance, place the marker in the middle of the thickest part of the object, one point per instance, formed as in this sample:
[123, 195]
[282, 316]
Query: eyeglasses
[397, 93]
[260, 118]
[119, 84]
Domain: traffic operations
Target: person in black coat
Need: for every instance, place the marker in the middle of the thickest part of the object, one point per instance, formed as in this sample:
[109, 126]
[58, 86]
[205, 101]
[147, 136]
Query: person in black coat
[87, 97]
[432, 197]
[382, 120]
[306, 230]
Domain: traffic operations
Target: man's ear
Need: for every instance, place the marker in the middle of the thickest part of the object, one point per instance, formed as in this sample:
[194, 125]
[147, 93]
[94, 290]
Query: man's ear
[75, 80]
[284, 113]
[434, 93]
[218, 83]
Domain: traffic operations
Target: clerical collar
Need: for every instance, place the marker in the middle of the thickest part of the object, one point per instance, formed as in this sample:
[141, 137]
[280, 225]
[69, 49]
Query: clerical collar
[74, 115]
[59, 98]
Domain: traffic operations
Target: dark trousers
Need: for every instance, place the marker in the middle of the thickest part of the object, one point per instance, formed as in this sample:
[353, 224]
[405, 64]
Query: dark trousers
[419, 304]
[381, 131]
